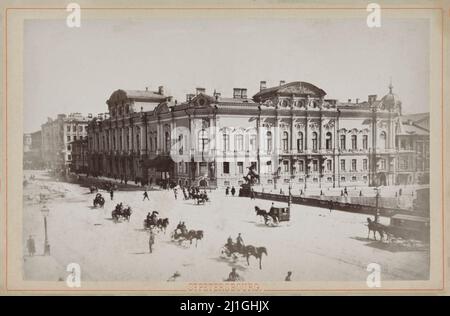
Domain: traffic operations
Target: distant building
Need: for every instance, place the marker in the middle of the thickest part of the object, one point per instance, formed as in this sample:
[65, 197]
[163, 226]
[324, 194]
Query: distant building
[32, 156]
[289, 133]
[79, 156]
[57, 134]
[26, 142]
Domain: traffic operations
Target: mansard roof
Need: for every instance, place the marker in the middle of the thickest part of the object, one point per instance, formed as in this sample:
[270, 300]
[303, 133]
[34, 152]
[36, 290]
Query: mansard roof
[298, 88]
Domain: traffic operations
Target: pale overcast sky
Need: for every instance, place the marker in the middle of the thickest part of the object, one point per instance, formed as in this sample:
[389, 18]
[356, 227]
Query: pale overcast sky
[76, 70]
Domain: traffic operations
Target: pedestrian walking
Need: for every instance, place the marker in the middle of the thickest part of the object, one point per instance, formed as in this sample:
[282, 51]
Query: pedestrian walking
[233, 191]
[151, 241]
[146, 196]
[175, 193]
[227, 191]
[111, 194]
[31, 247]
[288, 276]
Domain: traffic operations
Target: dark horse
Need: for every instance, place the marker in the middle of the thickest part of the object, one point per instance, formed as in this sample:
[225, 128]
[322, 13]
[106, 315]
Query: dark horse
[246, 251]
[194, 234]
[118, 213]
[99, 200]
[375, 227]
[266, 215]
[162, 224]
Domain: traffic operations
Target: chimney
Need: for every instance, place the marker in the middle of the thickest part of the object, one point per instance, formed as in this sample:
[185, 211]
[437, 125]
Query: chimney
[372, 98]
[357, 100]
[349, 100]
[189, 97]
[161, 90]
[282, 82]
[262, 85]
[217, 95]
[146, 88]
[200, 90]
[239, 93]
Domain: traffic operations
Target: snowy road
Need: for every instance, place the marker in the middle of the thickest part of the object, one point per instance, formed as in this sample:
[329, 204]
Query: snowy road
[315, 245]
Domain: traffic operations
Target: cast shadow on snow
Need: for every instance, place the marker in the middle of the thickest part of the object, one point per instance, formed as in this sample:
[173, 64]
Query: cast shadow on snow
[391, 246]
[232, 263]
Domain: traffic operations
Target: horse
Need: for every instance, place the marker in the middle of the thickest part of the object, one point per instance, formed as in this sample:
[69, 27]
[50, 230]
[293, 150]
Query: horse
[261, 212]
[256, 252]
[194, 234]
[245, 251]
[118, 212]
[162, 224]
[375, 227]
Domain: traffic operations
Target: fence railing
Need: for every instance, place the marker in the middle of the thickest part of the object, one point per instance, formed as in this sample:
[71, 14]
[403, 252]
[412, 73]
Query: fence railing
[335, 205]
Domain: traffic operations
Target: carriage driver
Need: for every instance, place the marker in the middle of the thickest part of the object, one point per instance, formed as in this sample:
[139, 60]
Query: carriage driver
[239, 242]
[230, 243]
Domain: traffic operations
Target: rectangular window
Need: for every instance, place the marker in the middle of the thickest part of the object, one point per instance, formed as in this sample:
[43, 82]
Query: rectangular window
[69, 157]
[315, 165]
[285, 166]
[240, 166]
[301, 166]
[353, 164]
[365, 141]
[226, 142]
[329, 165]
[68, 128]
[365, 164]
[203, 168]
[343, 142]
[252, 142]
[226, 167]
[269, 166]
[354, 142]
[342, 165]
[68, 138]
[240, 142]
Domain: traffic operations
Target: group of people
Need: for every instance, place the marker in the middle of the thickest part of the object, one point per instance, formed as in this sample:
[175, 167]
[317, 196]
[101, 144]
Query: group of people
[228, 190]
[182, 227]
[239, 243]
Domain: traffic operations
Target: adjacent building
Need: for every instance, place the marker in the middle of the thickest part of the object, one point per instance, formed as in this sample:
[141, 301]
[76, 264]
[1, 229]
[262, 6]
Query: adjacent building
[290, 133]
[57, 135]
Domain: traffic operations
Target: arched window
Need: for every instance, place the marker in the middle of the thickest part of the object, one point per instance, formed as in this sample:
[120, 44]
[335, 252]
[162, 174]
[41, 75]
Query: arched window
[180, 144]
[167, 141]
[285, 141]
[314, 141]
[382, 140]
[328, 140]
[240, 142]
[354, 142]
[226, 142]
[342, 138]
[269, 141]
[300, 142]
[203, 141]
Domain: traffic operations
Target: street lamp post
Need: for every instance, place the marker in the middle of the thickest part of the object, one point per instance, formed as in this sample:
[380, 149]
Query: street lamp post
[377, 211]
[45, 211]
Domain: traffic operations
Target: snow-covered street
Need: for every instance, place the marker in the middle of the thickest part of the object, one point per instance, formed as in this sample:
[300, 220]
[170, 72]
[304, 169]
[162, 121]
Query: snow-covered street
[316, 245]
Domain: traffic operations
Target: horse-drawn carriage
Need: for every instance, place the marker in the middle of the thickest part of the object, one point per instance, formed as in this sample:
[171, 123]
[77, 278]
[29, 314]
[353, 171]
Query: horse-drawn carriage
[231, 249]
[401, 226]
[181, 233]
[152, 221]
[99, 200]
[121, 212]
[275, 216]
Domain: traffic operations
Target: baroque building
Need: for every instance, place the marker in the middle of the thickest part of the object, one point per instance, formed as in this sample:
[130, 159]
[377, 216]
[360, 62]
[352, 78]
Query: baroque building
[289, 133]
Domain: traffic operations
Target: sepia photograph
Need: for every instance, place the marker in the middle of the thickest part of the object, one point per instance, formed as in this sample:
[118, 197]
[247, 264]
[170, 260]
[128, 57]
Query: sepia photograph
[210, 150]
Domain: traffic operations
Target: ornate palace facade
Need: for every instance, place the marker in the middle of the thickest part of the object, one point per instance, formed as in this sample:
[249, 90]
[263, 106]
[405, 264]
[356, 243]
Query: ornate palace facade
[290, 133]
